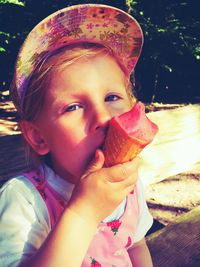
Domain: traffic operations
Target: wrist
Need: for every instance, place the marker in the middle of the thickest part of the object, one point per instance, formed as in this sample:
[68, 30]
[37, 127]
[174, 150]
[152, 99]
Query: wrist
[85, 212]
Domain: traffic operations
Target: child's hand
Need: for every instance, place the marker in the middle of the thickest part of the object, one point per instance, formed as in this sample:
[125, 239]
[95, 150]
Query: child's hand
[100, 190]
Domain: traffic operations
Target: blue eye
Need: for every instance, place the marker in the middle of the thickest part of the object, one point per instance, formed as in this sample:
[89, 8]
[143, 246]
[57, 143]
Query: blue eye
[112, 98]
[72, 107]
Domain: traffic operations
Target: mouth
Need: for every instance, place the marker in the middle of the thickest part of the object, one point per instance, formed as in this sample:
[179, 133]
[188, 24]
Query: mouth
[97, 141]
[102, 138]
[101, 145]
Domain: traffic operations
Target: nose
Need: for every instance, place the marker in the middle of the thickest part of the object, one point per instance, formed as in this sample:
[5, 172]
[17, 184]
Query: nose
[100, 118]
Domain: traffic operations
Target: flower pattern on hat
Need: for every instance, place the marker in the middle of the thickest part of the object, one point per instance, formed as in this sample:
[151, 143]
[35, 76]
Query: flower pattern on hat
[102, 24]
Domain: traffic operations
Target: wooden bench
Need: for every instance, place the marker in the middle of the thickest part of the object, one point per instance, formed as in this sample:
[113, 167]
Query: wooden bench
[178, 244]
[176, 147]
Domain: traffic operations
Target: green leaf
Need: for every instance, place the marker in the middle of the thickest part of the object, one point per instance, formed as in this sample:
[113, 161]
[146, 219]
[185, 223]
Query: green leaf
[15, 2]
[2, 49]
[197, 49]
[5, 34]
[161, 30]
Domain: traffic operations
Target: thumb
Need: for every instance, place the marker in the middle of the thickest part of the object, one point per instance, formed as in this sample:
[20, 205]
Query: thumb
[96, 164]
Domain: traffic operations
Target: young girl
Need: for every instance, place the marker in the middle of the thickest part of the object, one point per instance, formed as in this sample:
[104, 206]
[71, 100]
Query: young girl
[72, 76]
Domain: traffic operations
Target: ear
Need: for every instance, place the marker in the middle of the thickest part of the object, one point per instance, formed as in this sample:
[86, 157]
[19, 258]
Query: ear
[33, 136]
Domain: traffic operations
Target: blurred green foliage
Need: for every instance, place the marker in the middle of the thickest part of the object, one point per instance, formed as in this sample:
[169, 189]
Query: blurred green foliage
[168, 68]
[15, 2]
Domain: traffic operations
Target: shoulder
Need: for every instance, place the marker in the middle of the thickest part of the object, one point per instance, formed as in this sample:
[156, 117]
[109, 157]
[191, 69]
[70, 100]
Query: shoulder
[24, 221]
[145, 219]
[139, 190]
[20, 193]
[18, 185]
[18, 188]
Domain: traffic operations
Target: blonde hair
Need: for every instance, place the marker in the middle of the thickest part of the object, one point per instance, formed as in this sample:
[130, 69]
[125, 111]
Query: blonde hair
[40, 80]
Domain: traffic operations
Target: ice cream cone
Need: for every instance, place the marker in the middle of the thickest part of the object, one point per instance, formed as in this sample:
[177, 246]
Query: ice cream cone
[127, 135]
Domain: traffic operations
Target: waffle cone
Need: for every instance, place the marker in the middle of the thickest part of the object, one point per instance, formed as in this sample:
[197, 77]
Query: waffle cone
[119, 147]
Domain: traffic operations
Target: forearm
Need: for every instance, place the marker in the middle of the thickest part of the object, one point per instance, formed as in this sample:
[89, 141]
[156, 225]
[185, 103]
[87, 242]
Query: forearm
[140, 255]
[67, 244]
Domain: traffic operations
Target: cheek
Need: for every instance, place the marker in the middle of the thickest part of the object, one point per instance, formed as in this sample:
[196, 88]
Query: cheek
[72, 152]
[69, 141]
[68, 137]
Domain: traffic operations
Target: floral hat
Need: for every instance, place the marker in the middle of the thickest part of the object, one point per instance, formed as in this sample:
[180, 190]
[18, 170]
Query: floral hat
[96, 23]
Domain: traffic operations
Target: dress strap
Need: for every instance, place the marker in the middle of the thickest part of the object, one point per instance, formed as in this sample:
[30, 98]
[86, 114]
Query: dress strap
[54, 202]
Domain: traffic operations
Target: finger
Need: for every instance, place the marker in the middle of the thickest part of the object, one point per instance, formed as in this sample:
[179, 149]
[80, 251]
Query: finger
[122, 171]
[124, 188]
[134, 164]
[129, 182]
[96, 164]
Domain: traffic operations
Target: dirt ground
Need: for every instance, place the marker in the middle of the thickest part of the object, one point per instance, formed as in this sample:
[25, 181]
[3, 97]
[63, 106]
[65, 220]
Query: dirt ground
[175, 195]
[167, 199]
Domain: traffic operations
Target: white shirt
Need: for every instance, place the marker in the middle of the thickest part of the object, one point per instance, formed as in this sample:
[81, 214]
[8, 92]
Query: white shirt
[25, 222]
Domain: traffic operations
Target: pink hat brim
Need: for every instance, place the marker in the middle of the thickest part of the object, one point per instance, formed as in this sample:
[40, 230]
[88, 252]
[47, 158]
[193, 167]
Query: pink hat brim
[102, 24]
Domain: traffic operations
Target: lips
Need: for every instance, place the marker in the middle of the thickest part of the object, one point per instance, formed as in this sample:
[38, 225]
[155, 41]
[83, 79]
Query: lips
[95, 142]
[100, 137]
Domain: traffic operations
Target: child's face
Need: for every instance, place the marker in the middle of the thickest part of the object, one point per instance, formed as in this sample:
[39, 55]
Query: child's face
[81, 100]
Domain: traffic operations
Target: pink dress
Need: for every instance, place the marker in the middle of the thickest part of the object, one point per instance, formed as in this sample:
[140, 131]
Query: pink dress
[112, 239]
